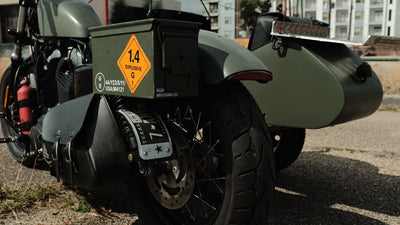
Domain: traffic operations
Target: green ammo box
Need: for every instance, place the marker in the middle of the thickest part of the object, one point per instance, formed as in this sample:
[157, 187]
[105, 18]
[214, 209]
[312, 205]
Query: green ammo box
[150, 58]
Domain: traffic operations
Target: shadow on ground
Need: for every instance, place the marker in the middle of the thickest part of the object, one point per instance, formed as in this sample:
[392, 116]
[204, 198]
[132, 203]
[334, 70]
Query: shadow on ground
[325, 189]
[317, 189]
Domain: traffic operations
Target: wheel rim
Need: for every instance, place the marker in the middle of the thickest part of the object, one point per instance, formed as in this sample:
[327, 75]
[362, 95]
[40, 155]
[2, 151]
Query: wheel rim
[193, 192]
[10, 111]
[174, 188]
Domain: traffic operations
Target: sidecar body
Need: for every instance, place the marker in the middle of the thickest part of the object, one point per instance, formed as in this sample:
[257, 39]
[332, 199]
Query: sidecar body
[318, 82]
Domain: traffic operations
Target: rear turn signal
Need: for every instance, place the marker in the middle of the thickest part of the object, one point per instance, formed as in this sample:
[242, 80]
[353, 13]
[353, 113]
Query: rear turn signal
[260, 76]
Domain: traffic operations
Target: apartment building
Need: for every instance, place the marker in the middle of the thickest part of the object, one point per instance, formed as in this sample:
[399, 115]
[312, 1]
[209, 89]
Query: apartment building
[353, 20]
[223, 16]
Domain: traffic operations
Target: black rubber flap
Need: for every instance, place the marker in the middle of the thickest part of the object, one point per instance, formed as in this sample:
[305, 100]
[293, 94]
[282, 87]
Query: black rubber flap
[65, 120]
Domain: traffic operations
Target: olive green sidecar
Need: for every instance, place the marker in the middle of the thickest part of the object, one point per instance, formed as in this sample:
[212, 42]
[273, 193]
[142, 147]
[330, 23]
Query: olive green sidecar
[317, 82]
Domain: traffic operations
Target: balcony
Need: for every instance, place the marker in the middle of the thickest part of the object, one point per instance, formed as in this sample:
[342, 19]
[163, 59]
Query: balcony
[375, 30]
[342, 4]
[341, 36]
[214, 13]
[342, 21]
[213, 9]
[376, 19]
[376, 4]
[309, 7]
[341, 32]
[311, 14]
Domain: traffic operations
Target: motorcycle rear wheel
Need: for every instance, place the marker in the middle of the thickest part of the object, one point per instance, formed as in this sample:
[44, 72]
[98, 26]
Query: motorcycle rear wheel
[17, 150]
[232, 157]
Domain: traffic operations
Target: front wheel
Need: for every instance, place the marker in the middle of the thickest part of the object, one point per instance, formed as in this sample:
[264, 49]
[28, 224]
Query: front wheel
[223, 169]
[8, 106]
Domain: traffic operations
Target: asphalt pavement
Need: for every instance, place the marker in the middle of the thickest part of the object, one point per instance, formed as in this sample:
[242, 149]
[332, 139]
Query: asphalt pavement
[346, 174]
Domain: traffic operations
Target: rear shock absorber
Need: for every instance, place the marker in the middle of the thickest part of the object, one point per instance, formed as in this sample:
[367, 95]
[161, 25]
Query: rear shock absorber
[117, 103]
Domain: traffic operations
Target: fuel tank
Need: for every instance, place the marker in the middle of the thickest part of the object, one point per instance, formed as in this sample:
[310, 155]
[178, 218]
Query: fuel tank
[66, 18]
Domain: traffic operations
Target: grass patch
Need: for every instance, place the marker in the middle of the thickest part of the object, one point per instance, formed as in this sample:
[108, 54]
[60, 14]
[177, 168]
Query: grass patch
[83, 205]
[389, 108]
[23, 197]
[53, 196]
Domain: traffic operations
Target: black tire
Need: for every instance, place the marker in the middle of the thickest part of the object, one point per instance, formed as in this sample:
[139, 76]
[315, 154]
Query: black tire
[16, 149]
[287, 143]
[242, 160]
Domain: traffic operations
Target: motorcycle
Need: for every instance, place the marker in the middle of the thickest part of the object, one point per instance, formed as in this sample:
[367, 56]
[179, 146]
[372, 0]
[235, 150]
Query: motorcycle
[318, 81]
[157, 101]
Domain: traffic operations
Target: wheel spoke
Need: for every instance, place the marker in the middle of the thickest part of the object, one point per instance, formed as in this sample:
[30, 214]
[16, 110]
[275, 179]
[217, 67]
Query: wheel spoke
[180, 127]
[206, 203]
[196, 125]
[190, 213]
[211, 179]
[209, 151]
[206, 162]
[203, 204]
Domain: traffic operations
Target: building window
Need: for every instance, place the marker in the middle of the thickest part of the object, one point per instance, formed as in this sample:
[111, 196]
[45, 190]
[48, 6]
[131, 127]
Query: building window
[311, 3]
[376, 2]
[378, 12]
[388, 31]
[325, 4]
[359, 14]
[391, 1]
[325, 16]
[359, 1]
[341, 32]
[228, 20]
[228, 6]
[342, 3]
[213, 7]
[342, 16]
[311, 15]
[242, 34]
[228, 33]
[376, 16]
[358, 31]
[390, 14]
[214, 21]
[377, 30]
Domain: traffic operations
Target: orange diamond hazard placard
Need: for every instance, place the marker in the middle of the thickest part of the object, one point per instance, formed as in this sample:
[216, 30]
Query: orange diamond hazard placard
[134, 64]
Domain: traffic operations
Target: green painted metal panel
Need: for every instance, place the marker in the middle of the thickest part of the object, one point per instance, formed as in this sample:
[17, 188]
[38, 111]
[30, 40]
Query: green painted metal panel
[221, 57]
[66, 18]
[170, 47]
[314, 85]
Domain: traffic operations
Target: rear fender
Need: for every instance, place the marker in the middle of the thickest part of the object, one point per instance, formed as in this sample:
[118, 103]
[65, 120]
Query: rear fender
[221, 57]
